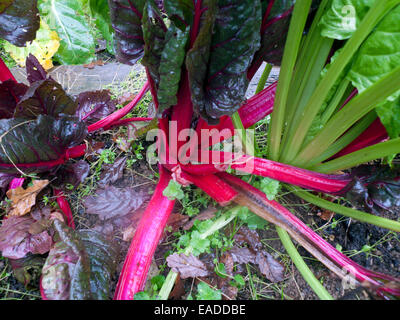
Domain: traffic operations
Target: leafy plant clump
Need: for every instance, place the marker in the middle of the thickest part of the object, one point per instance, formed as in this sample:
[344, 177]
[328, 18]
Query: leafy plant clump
[334, 108]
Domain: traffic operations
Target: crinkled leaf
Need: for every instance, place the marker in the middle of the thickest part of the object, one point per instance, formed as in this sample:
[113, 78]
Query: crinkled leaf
[343, 17]
[198, 56]
[45, 97]
[269, 186]
[172, 58]
[113, 202]
[44, 47]
[233, 45]
[126, 19]
[378, 56]
[242, 255]
[94, 105]
[16, 240]
[180, 12]
[187, 266]
[19, 21]
[154, 38]
[67, 19]
[112, 172]
[27, 143]
[273, 38]
[34, 69]
[11, 93]
[24, 199]
[269, 267]
[79, 266]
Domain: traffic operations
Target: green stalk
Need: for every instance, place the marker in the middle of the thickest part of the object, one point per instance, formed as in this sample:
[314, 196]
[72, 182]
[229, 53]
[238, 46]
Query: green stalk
[246, 139]
[299, 130]
[264, 78]
[343, 141]
[305, 271]
[218, 224]
[350, 114]
[334, 104]
[356, 158]
[344, 211]
[297, 23]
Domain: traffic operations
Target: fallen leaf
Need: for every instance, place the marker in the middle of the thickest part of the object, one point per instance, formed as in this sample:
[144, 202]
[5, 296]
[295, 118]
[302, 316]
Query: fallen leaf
[128, 233]
[125, 98]
[24, 199]
[207, 214]
[73, 173]
[16, 241]
[229, 291]
[242, 255]
[326, 215]
[187, 266]
[112, 172]
[94, 64]
[179, 289]
[269, 267]
[112, 202]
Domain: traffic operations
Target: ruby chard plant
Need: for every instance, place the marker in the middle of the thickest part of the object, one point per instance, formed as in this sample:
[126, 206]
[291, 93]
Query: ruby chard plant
[334, 108]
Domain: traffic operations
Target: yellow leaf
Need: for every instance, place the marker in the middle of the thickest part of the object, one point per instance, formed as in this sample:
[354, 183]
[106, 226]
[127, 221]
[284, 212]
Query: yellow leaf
[43, 47]
[24, 199]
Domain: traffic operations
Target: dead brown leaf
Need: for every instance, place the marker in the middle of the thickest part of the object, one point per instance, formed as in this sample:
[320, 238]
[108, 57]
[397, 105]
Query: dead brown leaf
[24, 199]
[326, 215]
[187, 266]
[177, 220]
[93, 64]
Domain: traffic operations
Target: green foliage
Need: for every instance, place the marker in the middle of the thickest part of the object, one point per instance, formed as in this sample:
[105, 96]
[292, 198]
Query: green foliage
[205, 292]
[173, 191]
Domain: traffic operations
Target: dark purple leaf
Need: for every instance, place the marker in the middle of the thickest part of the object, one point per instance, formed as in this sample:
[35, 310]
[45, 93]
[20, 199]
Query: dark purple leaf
[269, 267]
[94, 105]
[19, 21]
[112, 172]
[112, 202]
[187, 266]
[126, 19]
[179, 12]
[34, 70]
[16, 240]
[79, 266]
[242, 255]
[45, 97]
[28, 143]
[73, 173]
[11, 93]
[376, 187]
[233, 44]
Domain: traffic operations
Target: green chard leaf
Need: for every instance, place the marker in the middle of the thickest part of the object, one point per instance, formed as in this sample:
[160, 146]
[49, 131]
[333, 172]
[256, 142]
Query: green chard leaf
[343, 17]
[79, 266]
[100, 11]
[67, 19]
[172, 58]
[154, 38]
[126, 19]
[377, 57]
[19, 21]
[233, 45]
[180, 12]
[198, 56]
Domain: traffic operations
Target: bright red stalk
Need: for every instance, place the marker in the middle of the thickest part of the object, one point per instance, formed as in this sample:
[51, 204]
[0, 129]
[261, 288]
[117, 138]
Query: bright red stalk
[5, 73]
[117, 115]
[334, 184]
[126, 121]
[145, 241]
[64, 207]
[16, 183]
[322, 250]
[375, 133]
